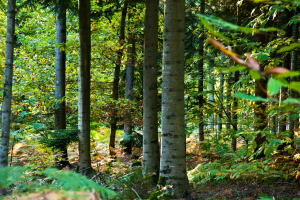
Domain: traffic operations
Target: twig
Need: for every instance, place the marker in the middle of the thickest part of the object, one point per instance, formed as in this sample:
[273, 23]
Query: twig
[136, 193]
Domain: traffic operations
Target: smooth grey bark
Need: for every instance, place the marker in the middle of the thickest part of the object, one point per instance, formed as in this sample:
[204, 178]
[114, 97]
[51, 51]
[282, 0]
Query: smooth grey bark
[173, 147]
[151, 156]
[7, 91]
[60, 75]
[200, 81]
[129, 83]
[84, 162]
[113, 123]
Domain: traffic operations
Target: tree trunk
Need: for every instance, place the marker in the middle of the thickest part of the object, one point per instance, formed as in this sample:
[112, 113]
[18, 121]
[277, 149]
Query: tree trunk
[200, 81]
[228, 105]
[292, 93]
[234, 114]
[151, 155]
[7, 92]
[173, 158]
[221, 101]
[113, 123]
[129, 84]
[60, 71]
[259, 110]
[84, 162]
[211, 94]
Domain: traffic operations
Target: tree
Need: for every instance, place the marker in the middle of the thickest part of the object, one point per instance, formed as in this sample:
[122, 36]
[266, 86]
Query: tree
[150, 125]
[113, 123]
[129, 83]
[60, 76]
[84, 162]
[173, 158]
[7, 93]
[200, 81]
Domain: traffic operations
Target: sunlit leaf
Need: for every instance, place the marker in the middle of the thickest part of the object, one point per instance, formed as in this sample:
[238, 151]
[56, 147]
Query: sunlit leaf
[273, 86]
[288, 48]
[288, 74]
[282, 82]
[291, 100]
[254, 74]
[249, 97]
[211, 29]
[231, 69]
[295, 86]
[220, 47]
[286, 107]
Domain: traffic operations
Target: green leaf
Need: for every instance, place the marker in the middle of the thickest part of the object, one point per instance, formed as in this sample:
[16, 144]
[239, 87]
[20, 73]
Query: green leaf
[231, 69]
[288, 74]
[211, 29]
[254, 74]
[282, 82]
[288, 48]
[273, 86]
[249, 97]
[291, 100]
[295, 86]
[286, 108]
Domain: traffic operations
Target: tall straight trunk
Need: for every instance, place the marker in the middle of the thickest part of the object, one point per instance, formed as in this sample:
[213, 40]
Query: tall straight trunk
[259, 110]
[220, 116]
[151, 156]
[129, 83]
[234, 114]
[173, 147]
[60, 75]
[228, 105]
[236, 79]
[285, 64]
[211, 94]
[200, 81]
[113, 123]
[292, 93]
[7, 91]
[84, 162]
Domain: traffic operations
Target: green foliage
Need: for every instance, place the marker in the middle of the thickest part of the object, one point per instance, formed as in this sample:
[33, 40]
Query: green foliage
[52, 179]
[59, 138]
[133, 184]
[249, 97]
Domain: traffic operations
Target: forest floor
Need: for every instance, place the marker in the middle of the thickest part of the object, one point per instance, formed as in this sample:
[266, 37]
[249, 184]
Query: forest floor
[226, 188]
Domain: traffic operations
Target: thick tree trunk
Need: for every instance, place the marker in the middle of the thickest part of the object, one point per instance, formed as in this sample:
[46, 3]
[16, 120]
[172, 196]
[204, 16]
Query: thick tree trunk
[60, 70]
[113, 123]
[151, 156]
[200, 81]
[7, 92]
[173, 158]
[129, 84]
[84, 162]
